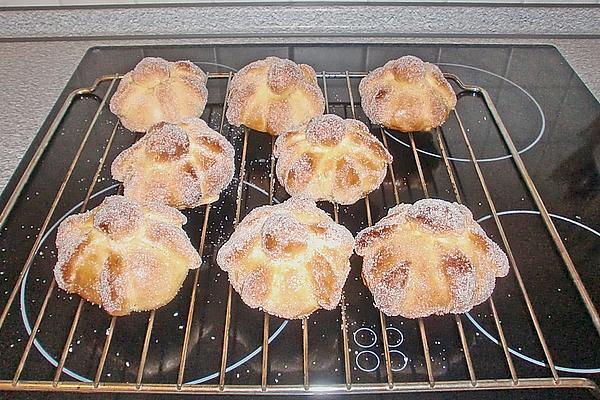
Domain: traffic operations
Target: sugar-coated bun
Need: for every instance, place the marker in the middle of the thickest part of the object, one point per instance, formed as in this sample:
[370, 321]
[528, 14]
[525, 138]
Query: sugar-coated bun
[157, 90]
[407, 94]
[289, 259]
[182, 165]
[124, 256]
[428, 258]
[274, 96]
[333, 159]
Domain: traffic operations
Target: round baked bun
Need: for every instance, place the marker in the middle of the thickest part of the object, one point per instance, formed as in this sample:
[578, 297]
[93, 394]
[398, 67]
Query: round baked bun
[407, 95]
[124, 256]
[274, 96]
[428, 258]
[157, 90]
[183, 165]
[289, 259]
[333, 159]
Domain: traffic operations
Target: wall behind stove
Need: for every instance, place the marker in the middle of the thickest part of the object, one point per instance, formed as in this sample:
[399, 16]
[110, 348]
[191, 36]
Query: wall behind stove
[38, 3]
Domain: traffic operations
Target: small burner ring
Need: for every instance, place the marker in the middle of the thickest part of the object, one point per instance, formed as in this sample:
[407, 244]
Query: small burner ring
[40, 347]
[371, 331]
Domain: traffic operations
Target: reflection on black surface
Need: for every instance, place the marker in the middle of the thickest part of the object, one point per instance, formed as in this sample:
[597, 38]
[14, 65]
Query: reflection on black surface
[424, 141]
[581, 170]
[564, 165]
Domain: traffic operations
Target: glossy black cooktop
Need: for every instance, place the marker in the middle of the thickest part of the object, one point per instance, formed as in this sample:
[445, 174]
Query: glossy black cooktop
[555, 123]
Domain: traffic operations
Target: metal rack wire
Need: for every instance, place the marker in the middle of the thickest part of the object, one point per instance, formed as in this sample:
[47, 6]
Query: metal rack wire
[348, 386]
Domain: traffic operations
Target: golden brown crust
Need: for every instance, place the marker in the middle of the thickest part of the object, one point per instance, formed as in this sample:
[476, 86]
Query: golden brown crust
[332, 159]
[427, 258]
[157, 90]
[407, 94]
[274, 96]
[183, 165]
[289, 259]
[124, 256]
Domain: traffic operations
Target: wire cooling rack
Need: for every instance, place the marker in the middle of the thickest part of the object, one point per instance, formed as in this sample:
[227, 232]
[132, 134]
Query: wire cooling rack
[386, 381]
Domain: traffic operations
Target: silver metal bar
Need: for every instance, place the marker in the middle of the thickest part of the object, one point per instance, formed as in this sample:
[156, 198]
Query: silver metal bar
[344, 323]
[328, 75]
[351, 96]
[265, 344]
[325, 94]
[110, 331]
[390, 168]
[358, 388]
[34, 249]
[65, 352]
[431, 385]
[238, 211]
[54, 204]
[459, 324]
[575, 277]
[444, 151]
[386, 351]
[465, 346]
[426, 352]
[344, 317]
[225, 341]
[421, 322]
[44, 144]
[418, 162]
[306, 382]
[34, 330]
[265, 353]
[511, 367]
[345, 346]
[63, 357]
[510, 254]
[382, 322]
[190, 315]
[144, 355]
[509, 361]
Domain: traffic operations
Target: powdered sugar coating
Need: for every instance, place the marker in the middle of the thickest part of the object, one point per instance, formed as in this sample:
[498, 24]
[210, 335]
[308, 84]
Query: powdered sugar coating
[283, 75]
[158, 90]
[167, 141]
[326, 130]
[124, 256]
[461, 277]
[289, 259]
[118, 217]
[407, 94]
[183, 165]
[437, 215]
[282, 236]
[274, 95]
[333, 159]
[427, 258]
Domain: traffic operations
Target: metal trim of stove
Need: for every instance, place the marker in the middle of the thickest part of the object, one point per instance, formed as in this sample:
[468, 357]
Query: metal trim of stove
[387, 383]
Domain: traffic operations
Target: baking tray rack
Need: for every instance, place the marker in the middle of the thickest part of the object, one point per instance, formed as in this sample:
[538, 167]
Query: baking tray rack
[24, 378]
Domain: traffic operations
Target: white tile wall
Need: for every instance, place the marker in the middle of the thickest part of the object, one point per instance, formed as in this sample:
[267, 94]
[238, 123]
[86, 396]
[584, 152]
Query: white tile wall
[35, 3]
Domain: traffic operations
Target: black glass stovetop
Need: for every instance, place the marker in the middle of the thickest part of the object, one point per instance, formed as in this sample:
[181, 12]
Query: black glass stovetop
[555, 123]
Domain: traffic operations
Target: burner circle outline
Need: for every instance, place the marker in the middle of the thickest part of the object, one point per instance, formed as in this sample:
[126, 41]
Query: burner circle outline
[216, 65]
[364, 328]
[367, 369]
[392, 328]
[495, 340]
[504, 157]
[404, 357]
[39, 346]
